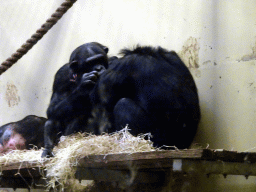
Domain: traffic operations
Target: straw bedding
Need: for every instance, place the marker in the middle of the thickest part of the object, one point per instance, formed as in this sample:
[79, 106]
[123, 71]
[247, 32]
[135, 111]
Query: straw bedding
[61, 169]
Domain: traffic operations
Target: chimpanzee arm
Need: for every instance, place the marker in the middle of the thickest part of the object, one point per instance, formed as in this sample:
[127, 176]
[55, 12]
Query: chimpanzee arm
[50, 133]
[76, 103]
[69, 107]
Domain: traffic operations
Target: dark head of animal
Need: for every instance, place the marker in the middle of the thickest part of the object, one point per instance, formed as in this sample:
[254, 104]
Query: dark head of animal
[84, 57]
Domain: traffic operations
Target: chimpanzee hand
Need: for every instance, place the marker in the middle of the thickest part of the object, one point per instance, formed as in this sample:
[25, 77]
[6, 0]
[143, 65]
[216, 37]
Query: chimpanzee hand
[47, 153]
[89, 80]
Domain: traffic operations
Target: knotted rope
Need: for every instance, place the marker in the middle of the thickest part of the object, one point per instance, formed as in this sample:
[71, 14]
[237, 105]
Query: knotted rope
[37, 36]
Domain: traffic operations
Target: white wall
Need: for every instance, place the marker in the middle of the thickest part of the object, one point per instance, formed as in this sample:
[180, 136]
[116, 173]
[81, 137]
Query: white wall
[216, 39]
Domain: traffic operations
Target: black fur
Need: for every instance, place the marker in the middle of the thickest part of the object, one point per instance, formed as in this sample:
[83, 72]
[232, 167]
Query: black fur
[148, 88]
[70, 106]
[152, 90]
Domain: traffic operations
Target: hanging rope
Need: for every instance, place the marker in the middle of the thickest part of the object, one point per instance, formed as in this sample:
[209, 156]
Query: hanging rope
[37, 36]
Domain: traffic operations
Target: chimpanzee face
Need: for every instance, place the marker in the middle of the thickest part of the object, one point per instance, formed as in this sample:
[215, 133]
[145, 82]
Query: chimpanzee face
[11, 140]
[89, 57]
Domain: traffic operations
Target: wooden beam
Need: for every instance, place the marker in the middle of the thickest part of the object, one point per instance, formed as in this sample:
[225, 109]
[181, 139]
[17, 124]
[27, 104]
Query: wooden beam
[142, 167]
[156, 159]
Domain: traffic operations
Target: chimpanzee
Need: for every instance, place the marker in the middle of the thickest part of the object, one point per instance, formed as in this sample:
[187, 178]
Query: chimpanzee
[150, 89]
[23, 134]
[70, 105]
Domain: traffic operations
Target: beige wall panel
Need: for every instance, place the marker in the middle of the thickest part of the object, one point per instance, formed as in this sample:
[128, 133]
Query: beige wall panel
[215, 38]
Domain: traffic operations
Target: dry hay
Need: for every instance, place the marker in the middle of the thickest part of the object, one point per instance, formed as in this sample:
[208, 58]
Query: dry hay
[61, 169]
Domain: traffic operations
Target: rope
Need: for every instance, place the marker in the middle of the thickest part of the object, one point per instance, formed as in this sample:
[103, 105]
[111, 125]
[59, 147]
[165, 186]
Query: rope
[37, 36]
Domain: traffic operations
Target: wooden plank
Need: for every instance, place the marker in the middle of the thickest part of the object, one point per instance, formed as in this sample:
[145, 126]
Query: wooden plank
[156, 159]
[148, 167]
[21, 165]
[228, 156]
[123, 158]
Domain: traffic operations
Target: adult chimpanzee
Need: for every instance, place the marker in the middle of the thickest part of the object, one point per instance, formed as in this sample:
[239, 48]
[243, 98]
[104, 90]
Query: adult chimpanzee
[151, 90]
[70, 106]
[148, 88]
[23, 134]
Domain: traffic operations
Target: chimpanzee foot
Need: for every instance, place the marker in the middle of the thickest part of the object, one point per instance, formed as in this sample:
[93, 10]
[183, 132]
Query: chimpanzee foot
[47, 153]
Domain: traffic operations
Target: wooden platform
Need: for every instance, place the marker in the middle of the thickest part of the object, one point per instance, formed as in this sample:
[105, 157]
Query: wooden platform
[139, 168]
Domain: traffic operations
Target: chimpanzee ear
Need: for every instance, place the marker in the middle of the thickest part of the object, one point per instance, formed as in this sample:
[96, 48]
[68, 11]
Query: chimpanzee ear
[74, 66]
[105, 49]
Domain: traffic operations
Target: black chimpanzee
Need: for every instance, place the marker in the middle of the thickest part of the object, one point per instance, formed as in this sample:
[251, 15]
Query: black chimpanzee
[151, 90]
[70, 105]
[148, 88]
[23, 134]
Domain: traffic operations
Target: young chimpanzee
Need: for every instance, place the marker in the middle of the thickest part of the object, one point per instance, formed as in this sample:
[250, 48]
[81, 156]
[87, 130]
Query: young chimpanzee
[70, 105]
[23, 134]
[150, 89]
